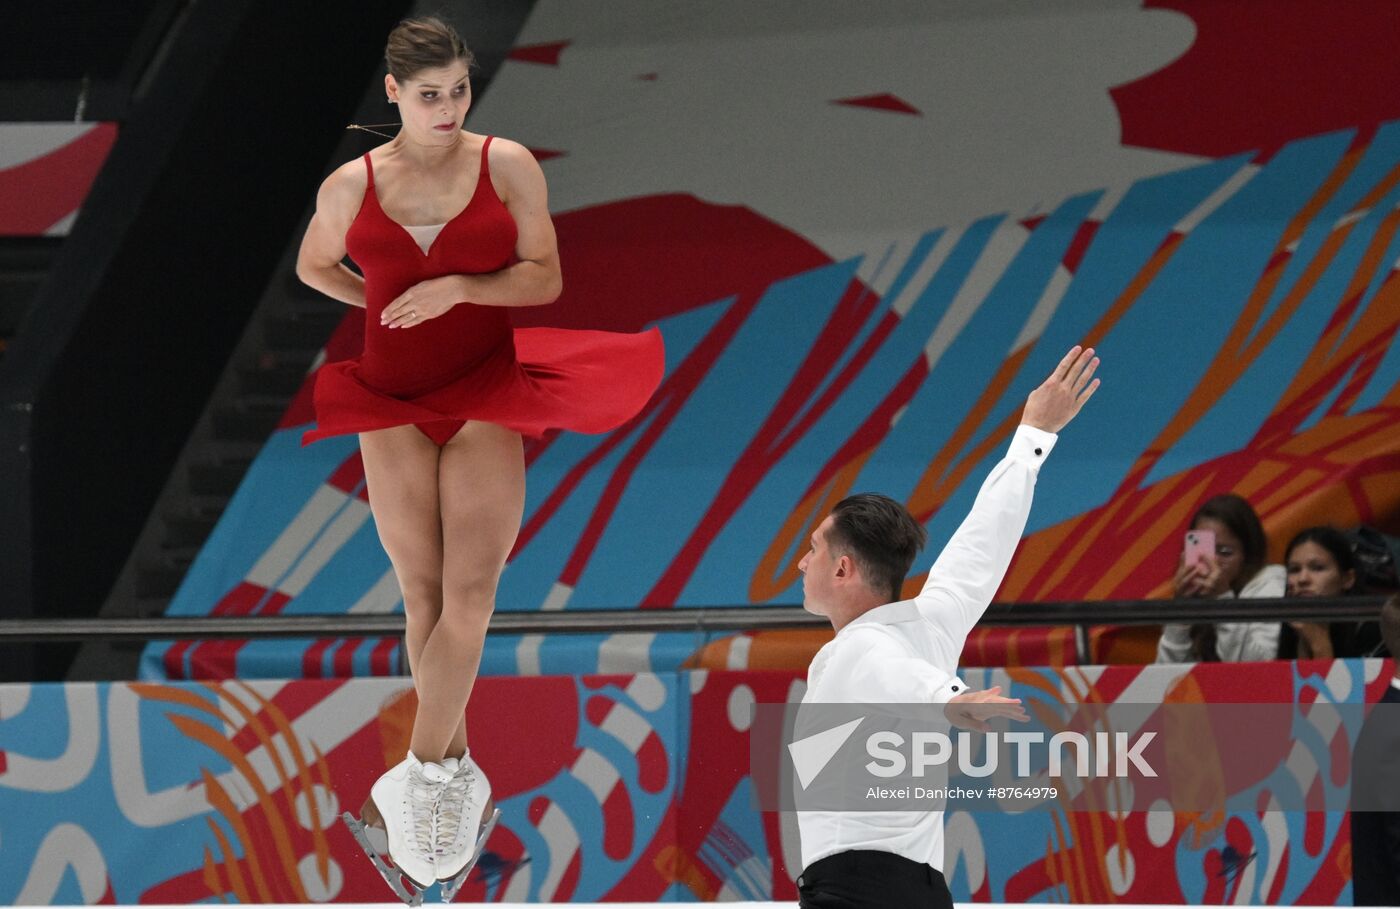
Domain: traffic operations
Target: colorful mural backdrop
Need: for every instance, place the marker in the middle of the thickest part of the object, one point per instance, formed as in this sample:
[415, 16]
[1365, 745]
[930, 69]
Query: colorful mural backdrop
[621, 787]
[46, 170]
[865, 241]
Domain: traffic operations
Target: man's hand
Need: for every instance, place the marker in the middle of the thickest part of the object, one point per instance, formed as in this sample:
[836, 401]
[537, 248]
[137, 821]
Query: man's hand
[1051, 406]
[972, 709]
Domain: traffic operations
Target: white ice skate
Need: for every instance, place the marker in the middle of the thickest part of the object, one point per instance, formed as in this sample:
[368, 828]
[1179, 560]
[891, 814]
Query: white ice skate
[401, 804]
[466, 816]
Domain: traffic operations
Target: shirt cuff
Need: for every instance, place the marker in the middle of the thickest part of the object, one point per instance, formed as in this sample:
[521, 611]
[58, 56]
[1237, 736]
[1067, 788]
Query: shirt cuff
[1030, 445]
[948, 690]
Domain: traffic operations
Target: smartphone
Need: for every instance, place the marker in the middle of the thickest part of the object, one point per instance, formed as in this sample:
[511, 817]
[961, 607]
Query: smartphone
[1200, 546]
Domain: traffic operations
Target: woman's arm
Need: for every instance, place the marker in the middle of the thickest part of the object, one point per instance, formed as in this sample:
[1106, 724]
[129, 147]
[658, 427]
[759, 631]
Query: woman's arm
[532, 281]
[1314, 641]
[1260, 641]
[1261, 638]
[323, 247]
[1174, 646]
[535, 279]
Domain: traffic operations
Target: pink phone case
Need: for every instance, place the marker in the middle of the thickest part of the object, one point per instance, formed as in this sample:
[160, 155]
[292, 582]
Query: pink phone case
[1200, 546]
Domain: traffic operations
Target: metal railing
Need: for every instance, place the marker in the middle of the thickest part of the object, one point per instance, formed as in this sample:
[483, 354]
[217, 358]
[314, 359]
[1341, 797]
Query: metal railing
[691, 619]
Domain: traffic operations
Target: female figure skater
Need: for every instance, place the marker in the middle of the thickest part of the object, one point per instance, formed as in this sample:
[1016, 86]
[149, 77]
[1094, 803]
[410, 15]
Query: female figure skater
[450, 230]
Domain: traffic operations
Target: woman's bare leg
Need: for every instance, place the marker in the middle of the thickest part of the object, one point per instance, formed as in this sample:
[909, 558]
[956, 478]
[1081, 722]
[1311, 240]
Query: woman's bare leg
[481, 494]
[401, 472]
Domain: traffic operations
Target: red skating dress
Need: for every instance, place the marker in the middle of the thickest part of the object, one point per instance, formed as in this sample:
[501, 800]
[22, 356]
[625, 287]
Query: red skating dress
[470, 363]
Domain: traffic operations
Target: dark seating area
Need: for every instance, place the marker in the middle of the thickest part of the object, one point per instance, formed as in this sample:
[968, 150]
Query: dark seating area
[24, 262]
[74, 61]
[78, 59]
[112, 118]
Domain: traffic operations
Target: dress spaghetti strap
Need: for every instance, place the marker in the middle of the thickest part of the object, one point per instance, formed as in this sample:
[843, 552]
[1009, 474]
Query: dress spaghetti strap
[369, 169]
[485, 173]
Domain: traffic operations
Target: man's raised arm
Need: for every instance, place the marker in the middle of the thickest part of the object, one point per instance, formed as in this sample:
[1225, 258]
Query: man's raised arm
[968, 572]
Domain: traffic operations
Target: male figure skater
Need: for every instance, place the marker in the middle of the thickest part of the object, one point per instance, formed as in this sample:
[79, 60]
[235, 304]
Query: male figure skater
[888, 651]
[1375, 834]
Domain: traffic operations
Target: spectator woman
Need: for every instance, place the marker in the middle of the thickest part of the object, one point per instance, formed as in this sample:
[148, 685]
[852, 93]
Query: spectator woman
[1320, 563]
[1237, 569]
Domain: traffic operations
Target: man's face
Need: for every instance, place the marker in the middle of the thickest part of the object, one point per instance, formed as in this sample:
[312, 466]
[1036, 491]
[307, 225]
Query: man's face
[819, 567]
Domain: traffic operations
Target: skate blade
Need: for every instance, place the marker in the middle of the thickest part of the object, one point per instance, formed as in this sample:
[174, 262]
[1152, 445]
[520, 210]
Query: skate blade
[451, 887]
[404, 887]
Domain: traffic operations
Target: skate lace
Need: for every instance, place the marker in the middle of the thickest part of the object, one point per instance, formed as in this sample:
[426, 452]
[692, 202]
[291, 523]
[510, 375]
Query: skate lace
[451, 806]
[423, 795]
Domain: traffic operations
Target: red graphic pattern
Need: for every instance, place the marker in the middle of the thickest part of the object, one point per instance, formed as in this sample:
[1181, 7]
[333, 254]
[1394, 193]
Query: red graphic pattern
[44, 190]
[885, 102]
[545, 54]
[1262, 73]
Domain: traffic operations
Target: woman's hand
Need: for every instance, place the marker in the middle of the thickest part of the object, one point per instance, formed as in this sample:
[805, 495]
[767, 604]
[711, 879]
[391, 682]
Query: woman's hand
[1200, 579]
[1314, 640]
[423, 301]
[1213, 582]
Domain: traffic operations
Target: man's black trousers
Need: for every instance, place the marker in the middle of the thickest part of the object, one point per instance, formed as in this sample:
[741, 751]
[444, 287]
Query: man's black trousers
[866, 879]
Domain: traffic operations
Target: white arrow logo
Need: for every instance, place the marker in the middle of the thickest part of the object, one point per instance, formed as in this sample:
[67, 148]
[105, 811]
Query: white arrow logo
[811, 754]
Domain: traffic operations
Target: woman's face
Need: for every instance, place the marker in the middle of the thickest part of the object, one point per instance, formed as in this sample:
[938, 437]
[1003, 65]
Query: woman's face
[1313, 572]
[1229, 550]
[433, 103]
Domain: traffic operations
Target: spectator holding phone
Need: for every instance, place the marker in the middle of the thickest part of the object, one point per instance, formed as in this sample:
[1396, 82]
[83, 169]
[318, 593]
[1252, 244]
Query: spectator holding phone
[1224, 556]
[1320, 563]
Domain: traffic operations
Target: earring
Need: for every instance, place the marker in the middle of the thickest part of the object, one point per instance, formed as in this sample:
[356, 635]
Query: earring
[391, 100]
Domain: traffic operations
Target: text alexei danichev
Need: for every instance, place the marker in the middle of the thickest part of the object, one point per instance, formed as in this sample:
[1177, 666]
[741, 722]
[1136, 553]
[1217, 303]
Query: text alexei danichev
[943, 794]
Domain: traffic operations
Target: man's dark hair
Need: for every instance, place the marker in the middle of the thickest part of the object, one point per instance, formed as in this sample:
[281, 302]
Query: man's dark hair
[1390, 626]
[881, 537]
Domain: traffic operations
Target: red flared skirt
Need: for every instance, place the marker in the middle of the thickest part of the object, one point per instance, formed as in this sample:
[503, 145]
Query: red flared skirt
[582, 381]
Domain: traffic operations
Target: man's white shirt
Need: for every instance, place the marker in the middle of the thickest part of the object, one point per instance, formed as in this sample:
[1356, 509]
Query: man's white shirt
[907, 652]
